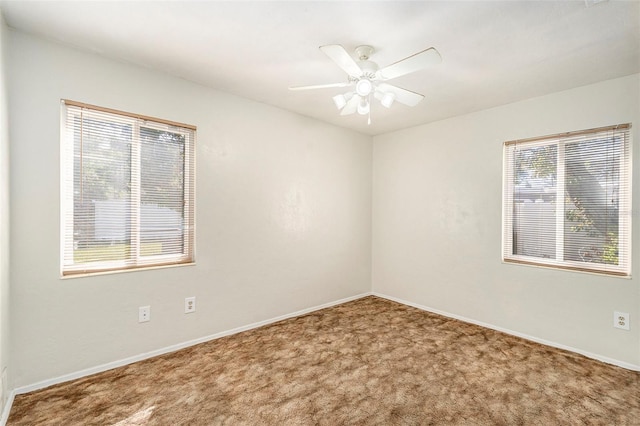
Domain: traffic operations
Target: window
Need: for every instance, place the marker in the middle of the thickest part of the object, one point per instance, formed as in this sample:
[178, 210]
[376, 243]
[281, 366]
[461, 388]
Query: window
[127, 190]
[567, 201]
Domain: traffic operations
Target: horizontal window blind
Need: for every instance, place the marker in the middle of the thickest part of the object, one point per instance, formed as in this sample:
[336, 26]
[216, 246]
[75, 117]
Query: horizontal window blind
[127, 190]
[567, 201]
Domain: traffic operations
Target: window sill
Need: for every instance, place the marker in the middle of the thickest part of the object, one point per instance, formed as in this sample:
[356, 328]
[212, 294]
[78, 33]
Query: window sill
[124, 270]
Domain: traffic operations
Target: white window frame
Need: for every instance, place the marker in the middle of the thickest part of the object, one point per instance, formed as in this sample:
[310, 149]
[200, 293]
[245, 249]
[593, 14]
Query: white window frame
[623, 269]
[136, 260]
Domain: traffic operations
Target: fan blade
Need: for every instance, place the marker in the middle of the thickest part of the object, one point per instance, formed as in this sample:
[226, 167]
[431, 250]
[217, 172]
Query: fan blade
[341, 57]
[403, 96]
[320, 86]
[351, 106]
[411, 64]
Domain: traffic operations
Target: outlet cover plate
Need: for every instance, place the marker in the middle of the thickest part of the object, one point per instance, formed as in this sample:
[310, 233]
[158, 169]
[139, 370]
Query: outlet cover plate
[144, 313]
[189, 304]
[621, 320]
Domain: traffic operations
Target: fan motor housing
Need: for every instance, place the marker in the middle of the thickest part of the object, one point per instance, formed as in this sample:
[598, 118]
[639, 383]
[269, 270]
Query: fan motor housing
[368, 68]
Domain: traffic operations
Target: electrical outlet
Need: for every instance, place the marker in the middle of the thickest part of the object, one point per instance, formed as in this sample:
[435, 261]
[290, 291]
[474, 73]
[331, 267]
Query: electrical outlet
[621, 320]
[144, 313]
[189, 304]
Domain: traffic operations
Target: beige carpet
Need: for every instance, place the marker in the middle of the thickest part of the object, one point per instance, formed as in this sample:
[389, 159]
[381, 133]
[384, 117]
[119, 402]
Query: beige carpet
[367, 362]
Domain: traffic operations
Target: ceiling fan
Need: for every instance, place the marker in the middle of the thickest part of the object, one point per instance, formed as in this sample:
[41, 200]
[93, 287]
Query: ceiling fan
[366, 79]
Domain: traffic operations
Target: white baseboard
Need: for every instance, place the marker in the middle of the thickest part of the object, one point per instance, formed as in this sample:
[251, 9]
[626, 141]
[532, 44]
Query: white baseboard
[7, 408]
[605, 359]
[173, 348]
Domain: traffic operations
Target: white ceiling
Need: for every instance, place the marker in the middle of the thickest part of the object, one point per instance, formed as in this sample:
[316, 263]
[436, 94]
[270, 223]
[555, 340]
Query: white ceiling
[493, 52]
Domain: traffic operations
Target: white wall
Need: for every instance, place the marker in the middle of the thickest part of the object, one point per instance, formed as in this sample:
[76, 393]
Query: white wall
[283, 219]
[437, 224]
[283, 216]
[4, 223]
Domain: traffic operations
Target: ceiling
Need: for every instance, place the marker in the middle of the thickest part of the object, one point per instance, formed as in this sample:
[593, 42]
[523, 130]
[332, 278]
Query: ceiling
[493, 52]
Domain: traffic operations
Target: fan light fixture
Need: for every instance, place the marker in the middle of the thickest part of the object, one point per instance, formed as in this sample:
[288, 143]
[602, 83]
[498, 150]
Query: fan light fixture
[367, 79]
[363, 107]
[363, 87]
[387, 99]
[341, 100]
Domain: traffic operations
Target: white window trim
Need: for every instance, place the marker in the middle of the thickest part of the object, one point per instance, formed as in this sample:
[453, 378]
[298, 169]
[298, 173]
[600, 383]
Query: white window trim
[623, 269]
[67, 200]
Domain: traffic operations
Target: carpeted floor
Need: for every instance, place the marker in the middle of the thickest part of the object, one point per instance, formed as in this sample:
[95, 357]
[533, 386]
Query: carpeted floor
[367, 362]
